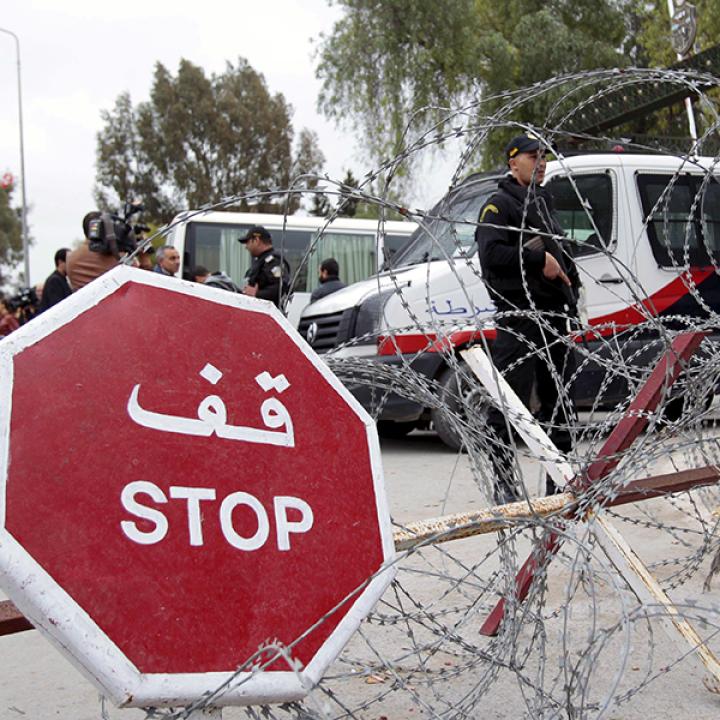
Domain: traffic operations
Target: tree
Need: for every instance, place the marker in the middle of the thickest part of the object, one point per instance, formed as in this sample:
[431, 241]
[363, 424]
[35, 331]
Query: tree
[124, 171]
[388, 64]
[347, 203]
[385, 60]
[199, 139]
[10, 227]
[308, 164]
[320, 205]
[654, 39]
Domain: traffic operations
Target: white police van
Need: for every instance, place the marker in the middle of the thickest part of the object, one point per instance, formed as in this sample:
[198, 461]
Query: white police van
[360, 246]
[646, 230]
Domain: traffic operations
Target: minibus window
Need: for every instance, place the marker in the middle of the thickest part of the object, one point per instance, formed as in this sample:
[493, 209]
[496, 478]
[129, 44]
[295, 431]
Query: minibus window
[355, 253]
[216, 247]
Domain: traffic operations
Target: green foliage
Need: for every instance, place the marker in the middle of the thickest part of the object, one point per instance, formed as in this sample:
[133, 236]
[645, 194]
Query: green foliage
[390, 65]
[347, 203]
[320, 206]
[384, 60]
[309, 161]
[387, 63]
[654, 38]
[10, 227]
[199, 139]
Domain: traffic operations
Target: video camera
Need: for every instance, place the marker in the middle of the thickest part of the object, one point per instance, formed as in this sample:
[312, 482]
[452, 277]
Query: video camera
[24, 298]
[112, 234]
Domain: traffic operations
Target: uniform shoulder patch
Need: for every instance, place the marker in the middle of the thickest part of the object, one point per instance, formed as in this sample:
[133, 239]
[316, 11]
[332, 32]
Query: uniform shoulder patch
[489, 208]
[270, 258]
[276, 272]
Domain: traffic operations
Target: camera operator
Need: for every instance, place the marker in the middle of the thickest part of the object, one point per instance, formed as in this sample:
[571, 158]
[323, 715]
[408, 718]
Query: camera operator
[107, 239]
[56, 287]
[23, 305]
[84, 264]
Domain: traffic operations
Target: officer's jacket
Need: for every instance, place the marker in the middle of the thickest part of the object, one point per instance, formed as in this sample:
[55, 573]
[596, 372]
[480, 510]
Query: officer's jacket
[514, 232]
[271, 273]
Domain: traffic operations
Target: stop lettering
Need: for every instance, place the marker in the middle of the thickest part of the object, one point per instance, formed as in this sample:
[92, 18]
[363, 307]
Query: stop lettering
[193, 497]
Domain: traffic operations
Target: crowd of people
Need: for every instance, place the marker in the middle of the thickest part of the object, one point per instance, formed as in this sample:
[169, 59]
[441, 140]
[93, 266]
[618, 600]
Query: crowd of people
[268, 277]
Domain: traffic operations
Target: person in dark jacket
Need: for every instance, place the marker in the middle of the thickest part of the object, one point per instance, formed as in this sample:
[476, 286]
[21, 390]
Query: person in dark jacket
[330, 281]
[269, 275]
[222, 280]
[527, 265]
[56, 286]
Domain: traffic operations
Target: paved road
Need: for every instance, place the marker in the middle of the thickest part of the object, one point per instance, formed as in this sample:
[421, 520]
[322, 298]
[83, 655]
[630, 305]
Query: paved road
[424, 480]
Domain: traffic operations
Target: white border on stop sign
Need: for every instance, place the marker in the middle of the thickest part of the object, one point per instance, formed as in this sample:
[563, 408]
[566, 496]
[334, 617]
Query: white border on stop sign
[72, 630]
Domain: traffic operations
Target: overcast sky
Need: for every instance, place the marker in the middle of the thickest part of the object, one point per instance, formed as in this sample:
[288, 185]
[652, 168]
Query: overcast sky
[77, 56]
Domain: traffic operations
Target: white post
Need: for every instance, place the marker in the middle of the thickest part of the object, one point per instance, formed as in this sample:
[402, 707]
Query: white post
[688, 102]
[26, 255]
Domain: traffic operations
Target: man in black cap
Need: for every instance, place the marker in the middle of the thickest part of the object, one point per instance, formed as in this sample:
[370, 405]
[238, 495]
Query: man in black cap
[527, 265]
[269, 275]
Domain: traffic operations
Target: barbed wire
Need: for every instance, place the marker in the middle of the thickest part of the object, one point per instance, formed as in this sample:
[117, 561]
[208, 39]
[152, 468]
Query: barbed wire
[581, 645]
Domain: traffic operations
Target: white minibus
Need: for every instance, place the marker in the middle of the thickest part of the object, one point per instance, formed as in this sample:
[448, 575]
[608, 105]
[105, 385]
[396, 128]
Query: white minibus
[361, 247]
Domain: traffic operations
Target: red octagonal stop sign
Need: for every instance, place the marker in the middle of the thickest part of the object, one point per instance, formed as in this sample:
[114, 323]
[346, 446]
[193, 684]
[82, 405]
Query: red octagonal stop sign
[184, 482]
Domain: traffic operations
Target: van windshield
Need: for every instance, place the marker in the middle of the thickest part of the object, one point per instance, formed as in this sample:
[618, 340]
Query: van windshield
[449, 228]
[683, 218]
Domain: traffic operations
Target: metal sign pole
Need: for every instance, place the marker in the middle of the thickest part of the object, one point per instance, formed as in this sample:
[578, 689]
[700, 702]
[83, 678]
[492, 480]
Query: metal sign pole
[25, 241]
[684, 29]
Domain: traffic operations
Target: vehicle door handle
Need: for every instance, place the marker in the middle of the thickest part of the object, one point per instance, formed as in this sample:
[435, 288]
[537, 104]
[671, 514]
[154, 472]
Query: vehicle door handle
[609, 280]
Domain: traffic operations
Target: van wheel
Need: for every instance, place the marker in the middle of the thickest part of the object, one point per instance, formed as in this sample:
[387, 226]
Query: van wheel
[394, 430]
[458, 395]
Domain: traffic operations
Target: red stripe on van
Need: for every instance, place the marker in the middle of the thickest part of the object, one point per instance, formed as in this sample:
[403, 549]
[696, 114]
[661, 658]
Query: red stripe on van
[657, 303]
[461, 338]
[404, 344]
[419, 342]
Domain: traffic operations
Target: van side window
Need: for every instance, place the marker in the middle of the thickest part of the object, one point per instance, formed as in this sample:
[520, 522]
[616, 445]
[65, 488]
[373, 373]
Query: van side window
[593, 199]
[683, 218]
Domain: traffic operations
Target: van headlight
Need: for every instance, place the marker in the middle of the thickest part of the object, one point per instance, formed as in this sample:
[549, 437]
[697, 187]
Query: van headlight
[369, 315]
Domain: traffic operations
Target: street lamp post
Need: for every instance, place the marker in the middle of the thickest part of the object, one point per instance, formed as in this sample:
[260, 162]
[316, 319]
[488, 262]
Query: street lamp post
[26, 255]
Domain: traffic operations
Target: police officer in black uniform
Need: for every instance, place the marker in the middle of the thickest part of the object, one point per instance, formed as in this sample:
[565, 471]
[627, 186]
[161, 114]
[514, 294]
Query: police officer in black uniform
[269, 275]
[527, 266]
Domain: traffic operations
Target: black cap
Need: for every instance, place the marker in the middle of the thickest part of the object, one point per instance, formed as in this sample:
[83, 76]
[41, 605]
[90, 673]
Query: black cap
[256, 230]
[521, 144]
